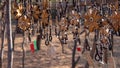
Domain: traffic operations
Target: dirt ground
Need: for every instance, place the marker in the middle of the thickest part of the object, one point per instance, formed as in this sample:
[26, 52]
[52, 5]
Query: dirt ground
[44, 58]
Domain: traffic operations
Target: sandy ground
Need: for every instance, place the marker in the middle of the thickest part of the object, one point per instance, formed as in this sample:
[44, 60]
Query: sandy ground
[45, 59]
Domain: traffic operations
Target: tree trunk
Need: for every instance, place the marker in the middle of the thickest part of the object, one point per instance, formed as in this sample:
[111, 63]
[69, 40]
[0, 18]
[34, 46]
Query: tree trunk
[94, 43]
[9, 33]
[73, 54]
[23, 57]
[73, 3]
[2, 45]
